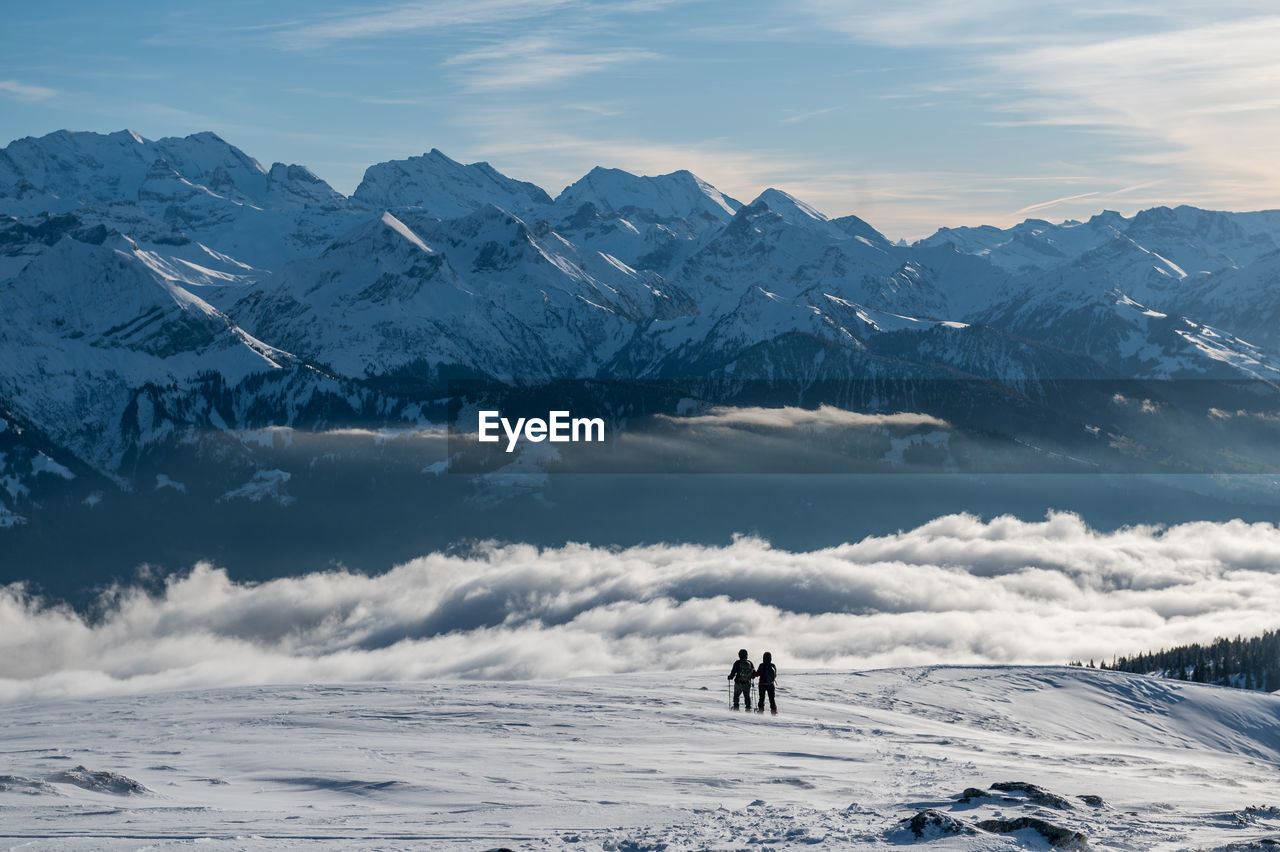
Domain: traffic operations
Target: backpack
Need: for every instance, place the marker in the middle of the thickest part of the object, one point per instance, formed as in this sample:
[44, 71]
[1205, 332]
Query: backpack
[768, 673]
[744, 669]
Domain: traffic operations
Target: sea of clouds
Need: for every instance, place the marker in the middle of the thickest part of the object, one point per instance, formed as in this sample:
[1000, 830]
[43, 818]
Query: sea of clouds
[955, 590]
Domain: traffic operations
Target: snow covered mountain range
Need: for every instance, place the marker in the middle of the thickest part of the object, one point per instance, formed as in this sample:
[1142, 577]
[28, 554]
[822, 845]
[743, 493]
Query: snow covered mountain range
[160, 296]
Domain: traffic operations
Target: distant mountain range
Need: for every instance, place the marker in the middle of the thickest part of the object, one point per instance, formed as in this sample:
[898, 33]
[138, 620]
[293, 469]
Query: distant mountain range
[172, 305]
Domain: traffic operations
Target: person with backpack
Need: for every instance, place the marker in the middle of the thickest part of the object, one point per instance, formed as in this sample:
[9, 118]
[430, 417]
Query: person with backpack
[768, 674]
[741, 674]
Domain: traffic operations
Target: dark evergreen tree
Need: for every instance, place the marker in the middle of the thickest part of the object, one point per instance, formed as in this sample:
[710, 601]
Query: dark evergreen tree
[1245, 663]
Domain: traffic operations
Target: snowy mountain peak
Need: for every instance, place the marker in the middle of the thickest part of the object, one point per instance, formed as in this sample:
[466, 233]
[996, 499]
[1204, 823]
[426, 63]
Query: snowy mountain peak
[207, 159]
[794, 212]
[678, 195]
[443, 187]
[300, 184]
[862, 230]
[1107, 217]
[281, 172]
[212, 148]
[788, 206]
[95, 167]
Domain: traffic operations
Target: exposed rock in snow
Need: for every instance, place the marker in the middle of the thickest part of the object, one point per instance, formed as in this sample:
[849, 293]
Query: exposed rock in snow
[931, 825]
[99, 781]
[29, 786]
[1056, 836]
[1033, 793]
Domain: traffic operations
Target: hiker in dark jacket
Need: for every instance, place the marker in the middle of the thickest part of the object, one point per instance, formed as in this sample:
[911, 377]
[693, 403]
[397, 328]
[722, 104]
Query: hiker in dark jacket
[741, 674]
[768, 674]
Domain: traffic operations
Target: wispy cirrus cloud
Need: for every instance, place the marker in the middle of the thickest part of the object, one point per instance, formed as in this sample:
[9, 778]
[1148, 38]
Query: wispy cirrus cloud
[536, 60]
[26, 91]
[1044, 205]
[413, 17]
[1119, 196]
[1206, 95]
[805, 116]
[1010, 23]
[1178, 86]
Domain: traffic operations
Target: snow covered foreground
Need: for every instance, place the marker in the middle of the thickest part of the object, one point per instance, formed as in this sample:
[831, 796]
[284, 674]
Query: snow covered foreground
[650, 762]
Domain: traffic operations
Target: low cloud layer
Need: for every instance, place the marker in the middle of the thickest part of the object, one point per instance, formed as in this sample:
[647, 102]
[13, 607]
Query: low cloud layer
[788, 417]
[955, 590]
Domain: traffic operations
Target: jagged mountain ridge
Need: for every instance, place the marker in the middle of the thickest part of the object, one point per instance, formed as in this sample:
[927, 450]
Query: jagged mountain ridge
[180, 286]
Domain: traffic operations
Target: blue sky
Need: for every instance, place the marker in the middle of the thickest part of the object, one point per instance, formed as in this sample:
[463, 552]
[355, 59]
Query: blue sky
[911, 114]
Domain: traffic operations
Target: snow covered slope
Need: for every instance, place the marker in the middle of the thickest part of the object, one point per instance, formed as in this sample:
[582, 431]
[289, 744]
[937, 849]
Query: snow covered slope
[1006, 757]
[484, 293]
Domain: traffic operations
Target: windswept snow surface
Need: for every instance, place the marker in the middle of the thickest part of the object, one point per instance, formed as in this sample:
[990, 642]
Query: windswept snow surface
[648, 762]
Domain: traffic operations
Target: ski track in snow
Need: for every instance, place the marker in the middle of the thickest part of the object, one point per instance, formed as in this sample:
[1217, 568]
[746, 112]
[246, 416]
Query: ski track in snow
[648, 762]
